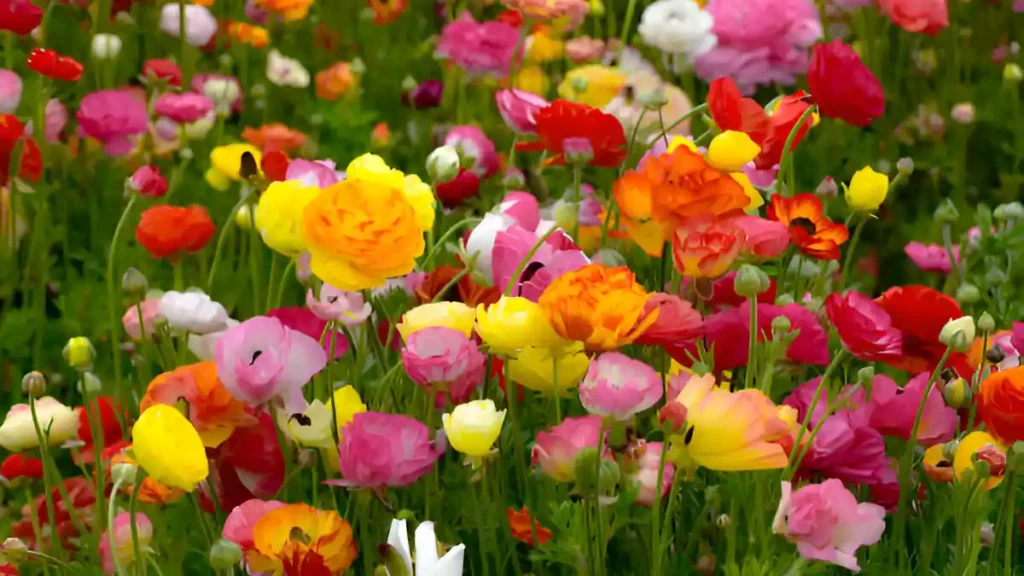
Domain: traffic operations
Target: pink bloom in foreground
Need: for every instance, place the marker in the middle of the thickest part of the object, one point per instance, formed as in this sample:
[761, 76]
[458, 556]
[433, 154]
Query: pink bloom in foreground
[895, 409]
[319, 173]
[243, 518]
[865, 329]
[443, 359]
[124, 548]
[113, 117]
[523, 208]
[677, 320]
[765, 238]
[617, 386]
[556, 449]
[548, 263]
[517, 109]
[931, 257]
[826, 523]
[380, 450]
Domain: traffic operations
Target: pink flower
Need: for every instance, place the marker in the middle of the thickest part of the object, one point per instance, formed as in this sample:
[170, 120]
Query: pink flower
[521, 207]
[518, 107]
[249, 464]
[319, 173]
[10, 91]
[124, 547]
[865, 329]
[1018, 6]
[584, 49]
[474, 145]
[924, 16]
[305, 321]
[349, 308]
[826, 523]
[895, 409]
[646, 474]
[443, 359]
[56, 119]
[261, 359]
[381, 450]
[200, 24]
[478, 47]
[556, 450]
[729, 329]
[765, 238]
[549, 262]
[113, 117]
[677, 320]
[243, 518]
[150, 314]
[762, 179]
[183, 108]
[617, 387]
[931, 257]
[147, 181]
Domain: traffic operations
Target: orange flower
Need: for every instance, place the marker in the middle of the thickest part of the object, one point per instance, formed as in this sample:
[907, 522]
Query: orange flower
[387, 11]
[290, 10]
[151, 491]
[169, 231]
[300, 539]
[809, 228]
[211, 408]
[936, 465]
[275, 136]
[1001, 404]
[705, 247]
[599, 306]
[468, 292]
[255, 36]
[380, 136]
[522, 524]
[332, 83]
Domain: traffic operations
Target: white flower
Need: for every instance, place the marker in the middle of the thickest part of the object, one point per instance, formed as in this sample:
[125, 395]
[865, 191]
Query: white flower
[200, 128]
[480, 244]
[204, 346]
[958, 333]
[678, 27]
[193, 311]
[223, 92]
[18, 432]
[106, 46]
[200, 24]
[285, 71]
[427, 563]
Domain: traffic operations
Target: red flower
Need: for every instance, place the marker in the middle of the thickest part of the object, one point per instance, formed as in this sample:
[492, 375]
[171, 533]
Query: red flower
[454, 192]
[522, 525]
[919, 313]
[20, 17]
[511, 17]
[842, 86]
[864, 327]
[249, 464]
[809, 229]
[677, 320]
[562, 120]
[732, 111]
[81, 498]
[11, 132]
[783, 118]
[168, 231]
[8, 570]
[17, 466]
[163, 69]
[52, 65]
[275, 165]
[108, 425]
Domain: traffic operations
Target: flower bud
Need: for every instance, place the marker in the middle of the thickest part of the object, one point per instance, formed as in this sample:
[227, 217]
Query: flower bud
[580, 84]
[946, 213]
[867, 190]
[13, 550]
[986, 323]
[673, 416]
[962, 113]
[357, 66]
[1012, 73]
[750, 281]
[653, 100]
[968, 293]
[443, 164]
[586, 469]
[905, 166]
[124, 473]
[949, 450]
[105, 46]
[827, 188]
[1009, 211]
[79, 353]
[577, 151]
[865, 376]
[781, 325]
[243, 218]
[513, 179]
[90, 384]
[225, 555]
[986, 534]
[34, 384]
[957, 393]
[995, 277]
[409, 84]
[706, 564]
[958, 333]
[723, 521]
[784, 299]
[608, 476]
[134, 283]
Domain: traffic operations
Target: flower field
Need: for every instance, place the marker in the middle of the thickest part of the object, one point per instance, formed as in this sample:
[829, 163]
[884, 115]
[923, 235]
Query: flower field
[511, 287]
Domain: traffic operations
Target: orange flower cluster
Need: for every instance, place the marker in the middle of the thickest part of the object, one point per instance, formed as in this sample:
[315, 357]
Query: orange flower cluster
[255, 36]
[290, 10]
[332, 83]
[809, 229]
[274, 136]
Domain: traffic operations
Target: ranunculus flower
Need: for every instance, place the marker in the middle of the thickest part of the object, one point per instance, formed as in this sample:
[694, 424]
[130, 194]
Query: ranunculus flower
[617, 387]
[677, 320]
[705, 247]
[896, 408]
[319, 173]
[349, 308]
[131, 321]
[724, 328]
[454, 192]
[123, 542]
[225, 91]
[923, 16]
[184, 107]
[57, 422]
[274, 137]
[279, 215]
[475, 146]
[678, 27]
[518, 109]
[333, 82]
[171, 231]
[584, 49]
[52, 64]
[169, 449]
[243, 518]
[919, 313]
[809, 229]
[148, 181]
[646, 474]
[300, 536]
[443, 360]
[842, 86]
[864, 327]
[1001, 404]
[372, 169]
[20, 16]
[581, 125]
[384, 450]
[426, 94]
[113, 117]
[731, 111]
[249, 464]
[200, 24]
[548, 262]
[478, 47]
[556, 449]
[473, 427]
[782, 122]
[545, 369]
[192, 311]
[455, 315]
[764, 238]
[163, 69]
[10, 91]
[931, 257]
[513, 323]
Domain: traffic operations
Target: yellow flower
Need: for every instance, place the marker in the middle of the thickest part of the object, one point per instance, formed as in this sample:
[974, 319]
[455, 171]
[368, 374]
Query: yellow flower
[472, 428]
[346, 404]
[532, 79]
[372, 168]
[279, 215]
[730, 151]
[79, 353]
[455, 315]
[226, 163]
[534, 368]
[289, 538]
[599, 85]
[169, 449]
[963, 459]
[311, 428]
[513, 323]
[541, 47]
[756, 200]
[867, 190]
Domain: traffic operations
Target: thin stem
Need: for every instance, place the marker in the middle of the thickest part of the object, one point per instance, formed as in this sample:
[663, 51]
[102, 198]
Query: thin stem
[786, 160]
[270, 283]
[849, 251]
[656, 514]
[111, 533]
[1010, 513]
[283, 283]
[447, 234]
[223, 233]
[112, 316]
[511, 393]
[632, 140]
[44, 451]
[689, 114]
[514, 280]
[576, 175]
[630, 9]
[752, 344]
[186, 70]
[132, 505]
[794, 462]
[554, 389]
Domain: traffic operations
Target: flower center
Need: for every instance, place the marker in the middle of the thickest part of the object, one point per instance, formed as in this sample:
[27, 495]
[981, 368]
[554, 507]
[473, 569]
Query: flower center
[804, 223]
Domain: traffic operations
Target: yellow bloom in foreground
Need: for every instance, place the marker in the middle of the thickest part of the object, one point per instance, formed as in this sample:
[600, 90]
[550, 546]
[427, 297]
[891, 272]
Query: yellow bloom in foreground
[599, 85]
[300, 536]
[472, 428]
[513, 323]
[372, 168]
[970, 445]
[454, 315]
[226, 163]
[535, 368]
[542, 47]
[169, 449]
[532, 79]
[867, 190]
[346, 404]
[730, 151]
[279, 215]
[361, 233]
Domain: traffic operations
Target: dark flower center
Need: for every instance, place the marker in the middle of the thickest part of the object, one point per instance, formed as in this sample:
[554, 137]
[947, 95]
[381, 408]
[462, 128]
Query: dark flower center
[298, 535]
[804, 223]
[255, 355]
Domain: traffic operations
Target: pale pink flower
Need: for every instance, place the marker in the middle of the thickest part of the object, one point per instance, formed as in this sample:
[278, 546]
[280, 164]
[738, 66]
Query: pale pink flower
[478, 47]
[243, 518]
[895, 409]
[319, 173]
[114, 117]
[443, 359]
[56, 119]
[617, 387]
[646, 474]
[333, 304]
[200, 24]
[380, 450]
[518, 108]
[10, 91]
[150, 314]
[183, 108]
[124, 547]
[931, 257]
[765, 238]
[225, 91]
[473, 144]
[584, 49]
[556, 449]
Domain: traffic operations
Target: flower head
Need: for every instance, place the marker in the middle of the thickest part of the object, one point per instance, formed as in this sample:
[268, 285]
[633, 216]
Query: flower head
[567, 14]
[867, 190]
[335, 81]
[123, 542]
[478, 47]
[809, 229]
[51, 64]
[288, 10]
[617, 387]
[285, 71]
[543, 369]
[299, 539]
[783, 117]
[183, 108]
[731, 111]
[169, 448]
[552, 259]
[677, 27]
[113, 117]
[18, 466]
[514, 323]
[842, 86]
[472, 428]
[57, 422]
[20, 17]
[372, 169]
[226, 164]
[10, 91]
[864, 327]
[918, 16]
[919, 313]
[238, 527]
[1001, 404]
[563, 120]
[148, 181]
[427, 560]
[192, 311]
[519, 109]
[522, 525]
[171, 231]
[12, 133]
[454, 315]
[379, 450]
[706, 248]
[444, 360]
[200, 24]
[646, 472]
[279, 215]
[162, 69]
[677, 320]
[931, 257]
[981, 447]
[556, 449]
[274, 136]
[349, 308]
[896, 409]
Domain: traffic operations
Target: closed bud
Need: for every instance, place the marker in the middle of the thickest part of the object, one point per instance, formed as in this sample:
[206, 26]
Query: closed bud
[986, 323]
[89, 385]
[225, 555]
[105, 46]
[986, 534]
[577, 151]
[958, 333]
[608, 476]
[723, 521]
[867, 190]
[409, 84]
[443, 164]
[34, 384]
[956, 393]
[968, 293]
[124, 473]
[243, 217]
[134, 283]
[784, 299]
[905, 166]
[946, 213]
[79, 353]
[994, 457]
[995, 277]
[513, 179]
[357, 66]
[750, 281]
[653, 100]
[1012, 73]
[781, 325]
[865, 376]
[706, 564]
[962, 113]
[1009, 211]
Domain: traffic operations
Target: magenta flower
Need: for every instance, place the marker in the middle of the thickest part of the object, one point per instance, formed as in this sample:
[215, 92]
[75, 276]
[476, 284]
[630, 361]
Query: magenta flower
[895, 409]
[333, 304]
[518, 108]
[10, 91]
[765, 238]
[319, 173]
[864, 327]
[183, 108]
[243, 518]
[147, 181]
[478, 47]
[261, 359]
[303, 320]
[728, 329]
[443, 359]
[617, 387]
[124, 548]
[523, 208]
[549, 262]
[113, 117]
[677, 320]
[381, 450]
[426, 94]
[931, 257]
[473, 144]
[826, 523]
[556, 449]
[646, 474]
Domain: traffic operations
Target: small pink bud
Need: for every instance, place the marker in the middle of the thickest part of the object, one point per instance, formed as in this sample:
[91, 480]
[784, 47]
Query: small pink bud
[148, 181]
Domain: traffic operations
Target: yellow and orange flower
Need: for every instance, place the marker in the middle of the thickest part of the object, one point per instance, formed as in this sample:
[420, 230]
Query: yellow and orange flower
[274, 136]
[255, 36]
[936, 465]
[151, 491]
[980, 446]
[1001, 404]
[599, 306]
[332, 83]
[387, 11]
[809, 229]
[300, 539]
[290, 10]
[213, 411]
[706, 247]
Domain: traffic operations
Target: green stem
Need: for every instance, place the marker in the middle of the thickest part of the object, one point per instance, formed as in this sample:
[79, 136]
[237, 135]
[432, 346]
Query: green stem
[554, 389]
[1010, 513]
[514, 280]
[270, 283]
[786, 160]
[132, 506]
[632, 140]
[791, 467]
[576, 175]
[186, 69]
[255, 242]
[752, 344]
[112, 316]
[333, 335]
[447, 234]
[111, 533]
[689, 114]
[517, 437]
[223, 234]
[44, 452]
[656, 513]
[849, 252]
[283, 283]
[630, 9]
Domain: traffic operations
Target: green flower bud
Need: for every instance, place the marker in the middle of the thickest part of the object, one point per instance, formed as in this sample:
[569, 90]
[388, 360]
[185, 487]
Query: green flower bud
[957, 393]
[443, 164]
[750, 281]
[224, 554]
[90, 384]
[653, 100]
[34, 384]
[134, 283]
[905, 166]
[608, 477]
[958, 333]
[968, 293]
[946, 213]
[1009, 211]
[986, 323]
[781, 325]
[513, 179]
[124, 473]
[586, 469]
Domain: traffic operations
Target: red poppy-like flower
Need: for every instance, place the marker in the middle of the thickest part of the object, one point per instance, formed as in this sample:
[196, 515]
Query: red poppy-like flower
[52, 65]
[522, 523]
[249, 464]
[513, 18]
[19, 16]
[275, 165]
[732, 111]
[11, 132]
[864, 327]
[18, 466]
[169, 231]
[106, 409]
[164, 69]
[919, 313]
[454, 192]
[782, 119]
[842, 86]
[81, 498]
[809, 228]
[580, 125]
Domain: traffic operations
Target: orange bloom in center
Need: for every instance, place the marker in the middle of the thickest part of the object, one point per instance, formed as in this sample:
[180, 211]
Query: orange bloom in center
[706, 248]
[809, 228]
[1001, 404]
[275, 136]
[255, 36]
[522, 523]
[168, 231]
[333, 82]
[298, 539]
[599, 306]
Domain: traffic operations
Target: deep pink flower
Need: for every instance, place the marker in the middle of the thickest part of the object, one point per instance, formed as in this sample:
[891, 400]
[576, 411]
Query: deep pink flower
[895, 409]
[305, 321]
[864, 327]
[426, 94]
[147, 181]
[618, 387]
[444, 360]
[380, 450]
[456, 191]
[114, 117]
[243, 518]
[523, 208]
[842, 86]
[810, 346]
[677, 320]
[518, 108]
[556, 449]
[765, 238]
[473, 144]
[931, 257]
[646, 474]
[319, 173]
[478, 47]
[249, 464]
[729, 332]
[1017, 340]
[183, 108]
[549, 262]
